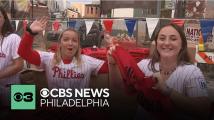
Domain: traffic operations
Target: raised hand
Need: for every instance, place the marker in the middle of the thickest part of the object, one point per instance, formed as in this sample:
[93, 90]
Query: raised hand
[39, 25]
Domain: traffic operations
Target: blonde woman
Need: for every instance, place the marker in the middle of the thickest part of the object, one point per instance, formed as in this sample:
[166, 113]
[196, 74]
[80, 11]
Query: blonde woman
[67, 68]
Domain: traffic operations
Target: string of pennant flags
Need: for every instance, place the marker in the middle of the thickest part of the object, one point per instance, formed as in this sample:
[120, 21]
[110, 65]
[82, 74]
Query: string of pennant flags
[200, 31]
[56, 24]
[206, 25]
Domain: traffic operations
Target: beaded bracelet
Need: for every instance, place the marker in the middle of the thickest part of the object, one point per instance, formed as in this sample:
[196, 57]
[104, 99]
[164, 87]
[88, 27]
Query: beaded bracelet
[30, 31]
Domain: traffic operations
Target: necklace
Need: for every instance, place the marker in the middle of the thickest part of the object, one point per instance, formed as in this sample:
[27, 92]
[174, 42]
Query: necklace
[167, 73]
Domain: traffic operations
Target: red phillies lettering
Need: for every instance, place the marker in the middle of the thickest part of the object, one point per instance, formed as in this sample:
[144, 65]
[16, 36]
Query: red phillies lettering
[66, 73]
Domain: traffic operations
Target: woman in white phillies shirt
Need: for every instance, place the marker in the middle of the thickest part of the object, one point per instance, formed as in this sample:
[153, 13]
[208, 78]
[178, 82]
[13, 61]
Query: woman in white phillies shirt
[67, 68]
[10, 62]
[183, 82]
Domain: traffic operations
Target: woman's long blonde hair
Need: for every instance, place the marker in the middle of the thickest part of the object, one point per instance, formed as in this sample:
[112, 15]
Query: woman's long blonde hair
[58, 56]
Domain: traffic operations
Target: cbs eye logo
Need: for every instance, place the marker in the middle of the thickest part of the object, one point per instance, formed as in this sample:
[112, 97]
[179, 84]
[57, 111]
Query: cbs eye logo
[27, 97]
[23, 97]
[44, 92]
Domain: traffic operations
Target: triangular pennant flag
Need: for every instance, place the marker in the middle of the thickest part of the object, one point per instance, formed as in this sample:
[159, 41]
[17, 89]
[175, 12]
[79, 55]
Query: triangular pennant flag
[63, 25]
[178, 22]
[79, 24]
[151, 25]
[17, 24]
[130, 23]
[71, 24]
[119, 24]
[173, 14]
[206, 28]
[43, 32]
[108, 25]
[102, 24]
[56, 25]
[88, 24]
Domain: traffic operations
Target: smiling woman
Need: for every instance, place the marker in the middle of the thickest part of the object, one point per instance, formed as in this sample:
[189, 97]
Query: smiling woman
[168, 71]
[176, 77]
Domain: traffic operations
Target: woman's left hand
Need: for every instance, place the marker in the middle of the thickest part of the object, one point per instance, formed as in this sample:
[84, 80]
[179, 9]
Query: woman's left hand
[39, 25]
[160, 83]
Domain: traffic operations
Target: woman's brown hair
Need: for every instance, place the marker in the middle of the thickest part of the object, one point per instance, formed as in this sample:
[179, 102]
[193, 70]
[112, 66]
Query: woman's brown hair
[7, 27]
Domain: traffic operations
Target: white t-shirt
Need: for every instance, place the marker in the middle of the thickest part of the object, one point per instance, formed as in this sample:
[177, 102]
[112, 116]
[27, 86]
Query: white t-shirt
[69, 75]
[186, 79]
[8, 52]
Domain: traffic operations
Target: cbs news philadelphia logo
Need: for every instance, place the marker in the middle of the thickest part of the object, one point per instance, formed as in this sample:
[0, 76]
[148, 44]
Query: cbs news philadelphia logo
[23, 97]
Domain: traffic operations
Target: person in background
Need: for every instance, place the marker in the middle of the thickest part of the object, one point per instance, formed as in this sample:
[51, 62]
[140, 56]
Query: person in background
[10, 62]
